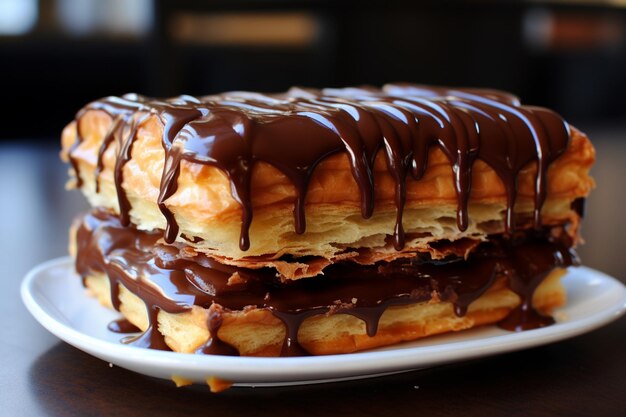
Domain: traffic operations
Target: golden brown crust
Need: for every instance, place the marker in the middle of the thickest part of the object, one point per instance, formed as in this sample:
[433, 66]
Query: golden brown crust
[205, 208]
[257, 332]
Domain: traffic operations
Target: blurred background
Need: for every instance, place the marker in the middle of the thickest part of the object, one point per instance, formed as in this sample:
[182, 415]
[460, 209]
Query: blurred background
[57, 55]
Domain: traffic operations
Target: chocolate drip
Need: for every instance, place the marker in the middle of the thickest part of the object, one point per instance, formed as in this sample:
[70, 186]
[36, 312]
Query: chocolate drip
[525, 274]
[151, 338]
[125, 147]
[173, 278]
[119, 108]
[169, 185]
[296, 130]
[123, 326]
[173, 119]
[214, 345]
[292, 322]
[370, 316]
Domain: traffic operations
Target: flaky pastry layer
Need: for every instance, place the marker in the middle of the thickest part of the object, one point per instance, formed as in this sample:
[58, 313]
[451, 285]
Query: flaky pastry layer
[257, 332]
[204, 207]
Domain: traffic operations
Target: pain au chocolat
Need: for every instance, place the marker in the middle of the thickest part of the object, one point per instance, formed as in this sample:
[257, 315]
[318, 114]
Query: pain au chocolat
[324, 221]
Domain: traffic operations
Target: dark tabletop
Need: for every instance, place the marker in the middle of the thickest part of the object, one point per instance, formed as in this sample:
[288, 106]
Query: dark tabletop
[41, 376]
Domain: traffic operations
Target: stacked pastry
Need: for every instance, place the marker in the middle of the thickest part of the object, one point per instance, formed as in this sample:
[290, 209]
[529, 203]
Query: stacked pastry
[330, 221]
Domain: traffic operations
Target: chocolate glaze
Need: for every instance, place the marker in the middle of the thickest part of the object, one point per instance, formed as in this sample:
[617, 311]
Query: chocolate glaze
[173, 278]
[295, 131]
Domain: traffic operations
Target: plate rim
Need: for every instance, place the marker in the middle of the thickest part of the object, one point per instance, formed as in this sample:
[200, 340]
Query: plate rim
[309, 369]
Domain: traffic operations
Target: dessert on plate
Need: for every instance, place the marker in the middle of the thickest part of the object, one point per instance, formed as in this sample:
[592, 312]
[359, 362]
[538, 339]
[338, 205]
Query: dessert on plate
[325, 221]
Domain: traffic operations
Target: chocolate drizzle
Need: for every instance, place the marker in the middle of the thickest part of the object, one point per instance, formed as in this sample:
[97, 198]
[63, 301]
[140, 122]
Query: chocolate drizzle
[151, 338]
[214, 346]
[173, 278]
[296, 130]
[123, 326]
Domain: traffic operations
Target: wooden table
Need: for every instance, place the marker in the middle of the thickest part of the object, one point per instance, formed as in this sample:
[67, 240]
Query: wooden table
[41, 376]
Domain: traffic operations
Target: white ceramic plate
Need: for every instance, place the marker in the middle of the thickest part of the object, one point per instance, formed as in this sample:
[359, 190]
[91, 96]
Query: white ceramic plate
[55, 297]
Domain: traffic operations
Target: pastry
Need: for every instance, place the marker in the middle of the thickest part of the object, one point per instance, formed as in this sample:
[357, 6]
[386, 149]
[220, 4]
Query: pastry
[325, 221]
